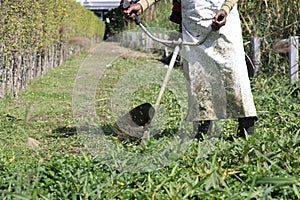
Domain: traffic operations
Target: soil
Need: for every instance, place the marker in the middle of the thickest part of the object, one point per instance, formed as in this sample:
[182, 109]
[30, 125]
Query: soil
[127, 52]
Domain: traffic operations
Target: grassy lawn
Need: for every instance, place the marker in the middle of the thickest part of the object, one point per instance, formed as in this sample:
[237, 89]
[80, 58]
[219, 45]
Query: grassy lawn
[43, 157]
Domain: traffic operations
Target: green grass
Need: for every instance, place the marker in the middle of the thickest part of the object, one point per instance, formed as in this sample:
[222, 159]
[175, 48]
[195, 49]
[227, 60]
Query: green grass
[265, 166]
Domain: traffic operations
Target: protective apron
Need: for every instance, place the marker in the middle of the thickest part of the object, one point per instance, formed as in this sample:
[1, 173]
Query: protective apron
[216, 72]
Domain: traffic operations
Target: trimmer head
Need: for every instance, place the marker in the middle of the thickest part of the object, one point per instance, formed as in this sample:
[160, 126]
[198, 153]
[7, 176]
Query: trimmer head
[134, 123]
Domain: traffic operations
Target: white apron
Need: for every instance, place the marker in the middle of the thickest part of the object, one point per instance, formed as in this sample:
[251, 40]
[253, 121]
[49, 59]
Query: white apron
[216, 72]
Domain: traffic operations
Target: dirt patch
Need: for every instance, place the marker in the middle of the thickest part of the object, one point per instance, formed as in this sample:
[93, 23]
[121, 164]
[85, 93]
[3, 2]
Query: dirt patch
[129, 52]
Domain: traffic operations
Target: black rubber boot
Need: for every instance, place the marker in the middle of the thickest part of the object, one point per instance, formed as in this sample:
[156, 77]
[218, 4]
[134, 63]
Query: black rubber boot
[246, 124]
[201, 128]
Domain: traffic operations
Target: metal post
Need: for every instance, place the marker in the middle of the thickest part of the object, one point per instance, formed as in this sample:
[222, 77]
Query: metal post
[255, 45]
[293, 59]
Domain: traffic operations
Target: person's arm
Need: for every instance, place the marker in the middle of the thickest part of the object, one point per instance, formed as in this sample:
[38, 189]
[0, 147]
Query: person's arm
[137, 8]
[146, 3]
[228, 5]
[224, 11]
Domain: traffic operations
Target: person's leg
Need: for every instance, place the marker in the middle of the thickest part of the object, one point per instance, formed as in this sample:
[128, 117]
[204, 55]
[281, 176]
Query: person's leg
[246, 124]
[201, 128]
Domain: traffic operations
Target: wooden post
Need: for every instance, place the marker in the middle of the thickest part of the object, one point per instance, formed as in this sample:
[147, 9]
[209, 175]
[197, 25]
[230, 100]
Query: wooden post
[293, 59]
[255, 44]
[2, 73]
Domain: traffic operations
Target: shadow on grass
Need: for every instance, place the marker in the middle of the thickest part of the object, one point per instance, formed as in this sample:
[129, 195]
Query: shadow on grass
[64, 132]
[107, 130]
[69, 131]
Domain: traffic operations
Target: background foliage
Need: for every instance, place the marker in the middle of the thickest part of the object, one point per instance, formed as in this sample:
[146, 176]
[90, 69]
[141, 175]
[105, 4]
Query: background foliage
[271, 20]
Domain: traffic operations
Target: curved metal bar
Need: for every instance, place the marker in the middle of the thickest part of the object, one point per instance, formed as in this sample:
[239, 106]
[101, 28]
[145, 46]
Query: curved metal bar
[173, 42]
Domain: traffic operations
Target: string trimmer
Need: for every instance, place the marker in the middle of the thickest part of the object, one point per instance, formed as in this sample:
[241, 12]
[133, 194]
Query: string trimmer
[136, 123]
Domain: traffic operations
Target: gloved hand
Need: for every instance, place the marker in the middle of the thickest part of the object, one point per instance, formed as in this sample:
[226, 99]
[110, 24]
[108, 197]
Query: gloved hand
[219, 20]
[176, 13]
[132, 11]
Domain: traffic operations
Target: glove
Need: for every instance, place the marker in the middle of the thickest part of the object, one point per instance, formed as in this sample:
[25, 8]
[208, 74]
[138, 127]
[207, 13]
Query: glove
[176, 13]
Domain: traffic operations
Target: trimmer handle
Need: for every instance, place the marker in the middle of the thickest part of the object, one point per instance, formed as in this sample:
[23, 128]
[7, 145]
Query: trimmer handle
[221, 17]
[137, 20]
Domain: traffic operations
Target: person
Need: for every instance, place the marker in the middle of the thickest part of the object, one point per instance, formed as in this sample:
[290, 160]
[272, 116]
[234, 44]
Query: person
[215, 72]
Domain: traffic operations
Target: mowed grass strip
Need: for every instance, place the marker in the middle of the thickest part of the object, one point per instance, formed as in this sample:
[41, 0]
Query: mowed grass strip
[41, 156]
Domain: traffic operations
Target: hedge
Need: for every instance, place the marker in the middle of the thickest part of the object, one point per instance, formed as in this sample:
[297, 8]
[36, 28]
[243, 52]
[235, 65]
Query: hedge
[36, 36]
